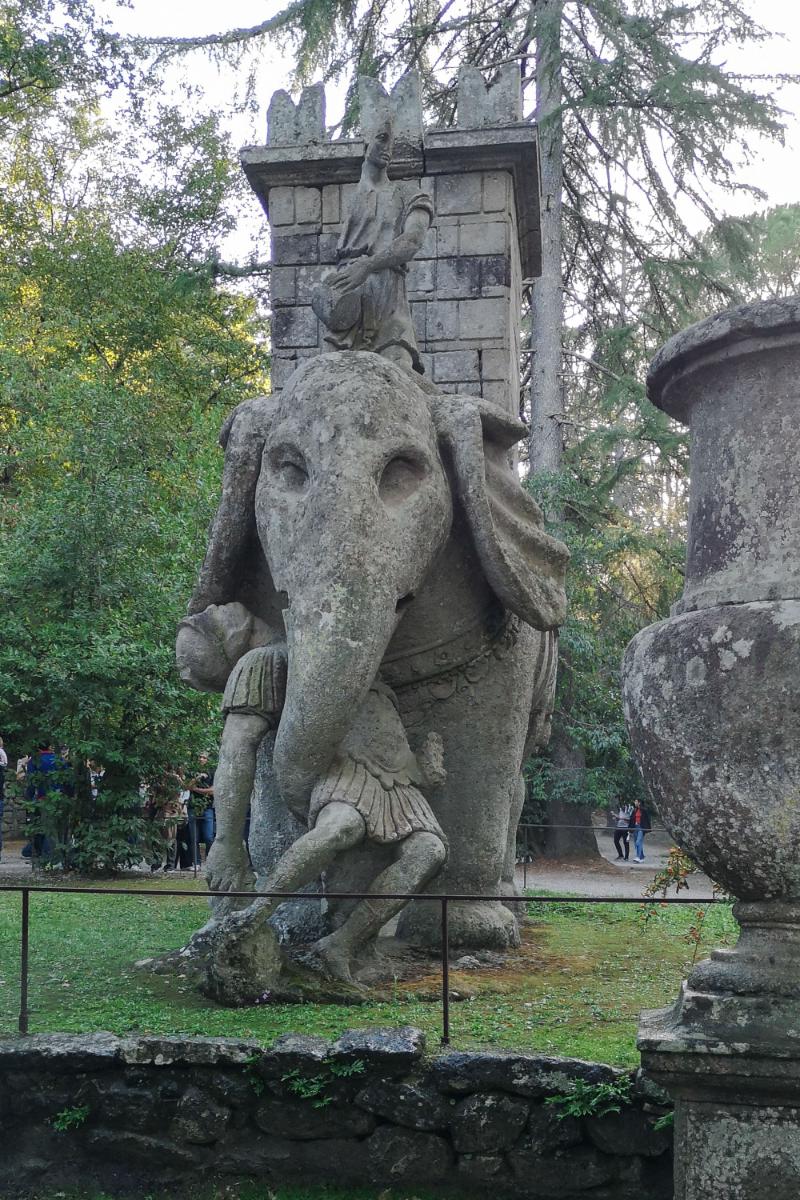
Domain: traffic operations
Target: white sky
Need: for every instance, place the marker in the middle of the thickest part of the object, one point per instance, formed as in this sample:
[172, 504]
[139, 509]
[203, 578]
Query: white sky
[775, 171]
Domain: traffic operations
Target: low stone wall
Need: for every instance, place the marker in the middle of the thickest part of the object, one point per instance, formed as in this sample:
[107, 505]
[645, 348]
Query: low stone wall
[131, 1113]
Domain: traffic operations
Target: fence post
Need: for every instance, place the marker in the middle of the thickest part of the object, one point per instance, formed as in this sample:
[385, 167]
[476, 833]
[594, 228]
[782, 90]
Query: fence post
[23, 973]
[445, 975]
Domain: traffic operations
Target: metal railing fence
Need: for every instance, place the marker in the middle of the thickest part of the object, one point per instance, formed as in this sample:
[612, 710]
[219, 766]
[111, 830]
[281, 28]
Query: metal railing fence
[434, 898]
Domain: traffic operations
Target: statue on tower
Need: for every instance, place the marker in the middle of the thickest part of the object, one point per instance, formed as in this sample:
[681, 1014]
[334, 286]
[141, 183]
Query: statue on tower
[363, 302]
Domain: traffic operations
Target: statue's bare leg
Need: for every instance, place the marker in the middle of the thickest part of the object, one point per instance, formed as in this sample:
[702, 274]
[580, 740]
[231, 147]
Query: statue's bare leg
[419, 858]
[228, 868]
[339, 827]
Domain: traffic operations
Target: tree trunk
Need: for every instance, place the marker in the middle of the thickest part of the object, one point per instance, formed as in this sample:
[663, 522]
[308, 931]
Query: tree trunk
[547, 319]
[547, 299]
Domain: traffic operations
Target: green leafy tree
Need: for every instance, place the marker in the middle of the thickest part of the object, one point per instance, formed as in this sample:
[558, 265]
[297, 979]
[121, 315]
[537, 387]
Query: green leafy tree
[120, 354]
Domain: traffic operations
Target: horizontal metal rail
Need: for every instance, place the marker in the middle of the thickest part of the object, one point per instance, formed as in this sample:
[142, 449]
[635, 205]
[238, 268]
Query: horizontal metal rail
[444, 900]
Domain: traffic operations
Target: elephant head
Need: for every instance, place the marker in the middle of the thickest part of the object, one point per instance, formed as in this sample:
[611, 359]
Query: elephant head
[337, 498]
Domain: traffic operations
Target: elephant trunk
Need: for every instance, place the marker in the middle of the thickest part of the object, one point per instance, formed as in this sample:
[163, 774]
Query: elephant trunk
[336, 639]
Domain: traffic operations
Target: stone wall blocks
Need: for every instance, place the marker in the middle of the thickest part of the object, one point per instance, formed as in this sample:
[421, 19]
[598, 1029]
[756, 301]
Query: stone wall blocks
[482, 318]
[458, 278]
[446, 234]
[421, 276]
[495, 271]
[400, 1155]
[148, 1152]
[483, 1124]
[455, 366]
[299, 1120]
[650, 1091]
[307, 279]
[441, 321]
[390, 1050]
[331, 205]
[496, 191]
[199, 1120]
[484, 237]
[280, 205]
[282, 285]
[553, 1130]
[419, 309]
[463, 1071]
[628, 1132]
[328, 244]
[457, 194]
[280, 369]
[308, 206]
[291, 249]
[579, 1169]
[406, 1104]
[293, 1052]
[495, 365]
[132, 1108]
[62, 1052]
[496, 393]
[483, 1168]
[295, 327]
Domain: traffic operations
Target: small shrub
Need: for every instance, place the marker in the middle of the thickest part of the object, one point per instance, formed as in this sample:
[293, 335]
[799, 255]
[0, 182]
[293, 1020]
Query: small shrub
[593, 1099]
[70, 1118]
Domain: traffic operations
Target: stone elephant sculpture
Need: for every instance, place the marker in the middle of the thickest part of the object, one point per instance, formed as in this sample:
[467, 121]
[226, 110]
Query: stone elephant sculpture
[377, 528]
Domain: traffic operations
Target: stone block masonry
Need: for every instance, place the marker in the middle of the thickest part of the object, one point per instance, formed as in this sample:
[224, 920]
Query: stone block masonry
[465, 287]
[135, 1114]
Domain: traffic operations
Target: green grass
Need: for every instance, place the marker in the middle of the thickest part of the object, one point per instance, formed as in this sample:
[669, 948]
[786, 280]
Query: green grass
[577, 987]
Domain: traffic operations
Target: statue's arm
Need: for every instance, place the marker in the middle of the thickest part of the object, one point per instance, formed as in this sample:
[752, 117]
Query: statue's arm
[400, 251]
[407, 245]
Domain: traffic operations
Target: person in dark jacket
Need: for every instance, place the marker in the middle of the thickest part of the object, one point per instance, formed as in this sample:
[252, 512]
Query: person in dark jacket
[640, 824]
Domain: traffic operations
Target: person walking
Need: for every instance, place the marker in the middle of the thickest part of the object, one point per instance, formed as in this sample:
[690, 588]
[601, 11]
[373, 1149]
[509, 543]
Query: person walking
[641, 824]
[621, 819]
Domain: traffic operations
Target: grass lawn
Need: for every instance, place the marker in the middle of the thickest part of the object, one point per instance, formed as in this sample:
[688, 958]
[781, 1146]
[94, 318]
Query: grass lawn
[577, 987]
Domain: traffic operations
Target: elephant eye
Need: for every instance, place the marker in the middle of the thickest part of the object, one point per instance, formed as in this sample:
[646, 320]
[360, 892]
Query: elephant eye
[401, 477]
[289, 464]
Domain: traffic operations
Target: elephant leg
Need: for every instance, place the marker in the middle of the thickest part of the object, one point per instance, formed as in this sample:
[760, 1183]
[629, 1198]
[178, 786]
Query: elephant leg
[508, 883]
[419, 859]
[484, 727]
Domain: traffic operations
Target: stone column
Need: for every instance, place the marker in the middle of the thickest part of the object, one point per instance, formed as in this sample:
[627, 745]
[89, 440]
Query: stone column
[465, 287]
[713, 704]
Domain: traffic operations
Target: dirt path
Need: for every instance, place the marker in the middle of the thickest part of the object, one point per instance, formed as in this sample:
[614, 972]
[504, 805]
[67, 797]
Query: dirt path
[607, 876]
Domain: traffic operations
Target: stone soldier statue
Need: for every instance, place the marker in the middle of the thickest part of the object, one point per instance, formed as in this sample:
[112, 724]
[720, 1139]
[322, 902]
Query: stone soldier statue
[363, 301]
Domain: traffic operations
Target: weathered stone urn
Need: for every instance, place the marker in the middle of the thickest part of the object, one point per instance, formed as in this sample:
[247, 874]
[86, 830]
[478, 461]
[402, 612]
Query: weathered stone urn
[712, 700]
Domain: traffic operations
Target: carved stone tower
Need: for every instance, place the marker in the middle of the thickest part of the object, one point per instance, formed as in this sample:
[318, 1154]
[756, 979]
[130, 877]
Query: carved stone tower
[465, 287]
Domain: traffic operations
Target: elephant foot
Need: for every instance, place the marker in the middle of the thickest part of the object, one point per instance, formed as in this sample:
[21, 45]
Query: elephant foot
[477, 925]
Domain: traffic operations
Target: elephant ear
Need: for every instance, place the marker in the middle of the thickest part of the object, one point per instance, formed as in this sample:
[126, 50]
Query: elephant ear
[234, 605]
[524, 565]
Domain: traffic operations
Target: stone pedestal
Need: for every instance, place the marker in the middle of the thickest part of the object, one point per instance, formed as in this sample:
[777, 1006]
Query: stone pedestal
[712, 700]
